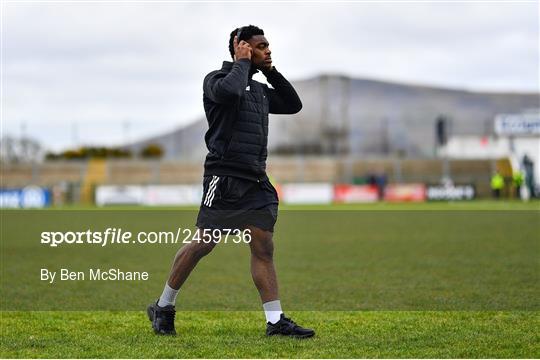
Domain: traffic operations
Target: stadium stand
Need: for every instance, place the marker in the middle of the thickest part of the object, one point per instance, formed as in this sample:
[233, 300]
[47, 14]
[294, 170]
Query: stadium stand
[87, 175]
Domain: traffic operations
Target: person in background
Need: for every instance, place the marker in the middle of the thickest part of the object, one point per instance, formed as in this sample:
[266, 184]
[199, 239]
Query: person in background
[517, 182]
[528, 166]
[497, 184]
[381, 181]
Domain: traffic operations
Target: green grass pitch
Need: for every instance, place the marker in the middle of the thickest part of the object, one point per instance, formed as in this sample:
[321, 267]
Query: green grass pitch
[497, 318]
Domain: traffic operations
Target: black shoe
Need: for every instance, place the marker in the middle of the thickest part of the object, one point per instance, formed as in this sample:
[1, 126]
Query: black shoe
[287, 327]
[162, 318]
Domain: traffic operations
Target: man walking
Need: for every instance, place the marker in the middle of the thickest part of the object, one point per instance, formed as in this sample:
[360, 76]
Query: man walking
[237, 193]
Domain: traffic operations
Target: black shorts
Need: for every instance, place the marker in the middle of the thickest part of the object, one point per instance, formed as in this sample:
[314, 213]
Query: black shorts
[234, 203]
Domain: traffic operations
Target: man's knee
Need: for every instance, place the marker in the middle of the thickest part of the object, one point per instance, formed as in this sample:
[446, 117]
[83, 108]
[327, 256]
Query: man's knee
[265, 253]
[262, 245]
[199, 249]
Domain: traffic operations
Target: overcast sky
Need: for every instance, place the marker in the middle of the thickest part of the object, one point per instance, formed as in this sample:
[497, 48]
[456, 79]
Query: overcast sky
[105, 73]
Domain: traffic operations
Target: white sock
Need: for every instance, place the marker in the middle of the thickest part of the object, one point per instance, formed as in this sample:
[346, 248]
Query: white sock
[272, 311]
[168, 297]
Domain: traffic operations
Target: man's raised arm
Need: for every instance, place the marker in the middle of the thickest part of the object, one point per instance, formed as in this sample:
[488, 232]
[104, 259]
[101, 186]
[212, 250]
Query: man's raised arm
[283, 98]
[222, 88]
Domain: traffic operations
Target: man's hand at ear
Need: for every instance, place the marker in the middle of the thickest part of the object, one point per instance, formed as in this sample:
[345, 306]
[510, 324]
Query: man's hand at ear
[242, 50]
[283, 98]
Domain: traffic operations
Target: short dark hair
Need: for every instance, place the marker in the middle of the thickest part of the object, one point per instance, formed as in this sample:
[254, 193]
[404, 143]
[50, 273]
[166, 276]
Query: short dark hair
[246, 34]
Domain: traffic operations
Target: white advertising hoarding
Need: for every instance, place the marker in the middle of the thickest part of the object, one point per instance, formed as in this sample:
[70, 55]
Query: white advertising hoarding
[308, 193]
[119, 195]
[153, 195]
[173, 195]
[517, 124]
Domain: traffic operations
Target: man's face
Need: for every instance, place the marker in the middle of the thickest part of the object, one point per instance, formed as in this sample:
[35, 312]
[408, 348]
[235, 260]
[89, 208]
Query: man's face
[261, 52]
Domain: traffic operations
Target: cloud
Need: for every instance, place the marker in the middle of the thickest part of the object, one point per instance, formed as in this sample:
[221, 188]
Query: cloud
[101, 65]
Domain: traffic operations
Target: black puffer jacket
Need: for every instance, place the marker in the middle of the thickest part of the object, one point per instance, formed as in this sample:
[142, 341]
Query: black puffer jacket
[237, 110]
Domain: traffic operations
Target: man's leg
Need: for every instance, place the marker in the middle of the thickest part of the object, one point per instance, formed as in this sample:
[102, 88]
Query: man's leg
[162, 313]
[186, 259]
[262, 264]
[265, 279]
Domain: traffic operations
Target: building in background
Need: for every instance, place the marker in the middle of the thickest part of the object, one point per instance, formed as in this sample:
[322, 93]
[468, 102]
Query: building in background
[515, 136]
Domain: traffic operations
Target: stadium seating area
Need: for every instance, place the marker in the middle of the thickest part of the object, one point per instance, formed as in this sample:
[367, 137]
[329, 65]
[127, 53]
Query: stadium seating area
[43, 174]
[282, 170]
